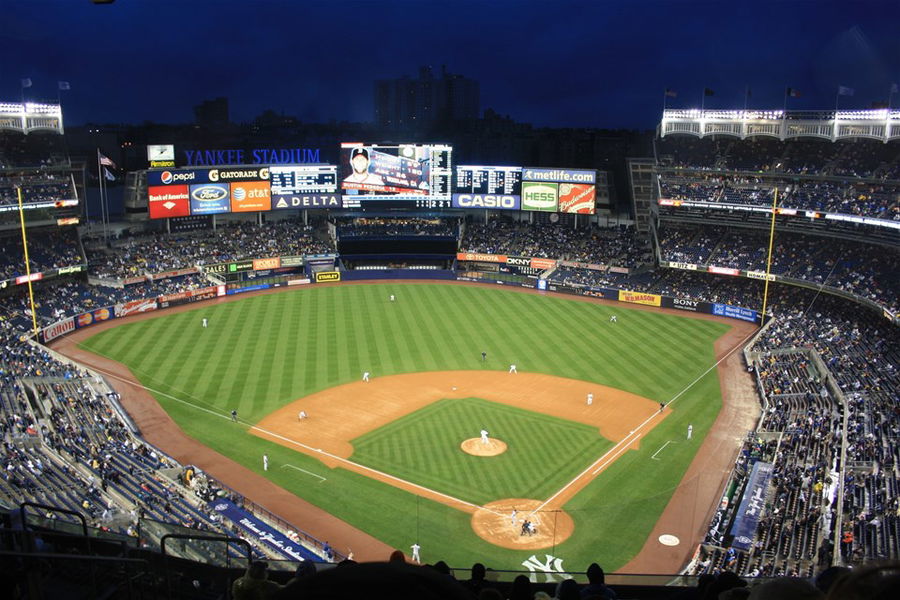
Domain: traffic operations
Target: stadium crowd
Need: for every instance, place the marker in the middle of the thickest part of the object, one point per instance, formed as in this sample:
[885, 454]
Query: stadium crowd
[394, 226]
[47, 249]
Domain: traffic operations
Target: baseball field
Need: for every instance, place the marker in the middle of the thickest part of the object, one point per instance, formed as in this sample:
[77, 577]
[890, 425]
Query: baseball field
[399, 457]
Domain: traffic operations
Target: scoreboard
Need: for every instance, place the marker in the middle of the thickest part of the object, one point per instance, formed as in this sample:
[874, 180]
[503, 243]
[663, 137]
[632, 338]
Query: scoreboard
[479, 186]
[396, 176]
[303, 179]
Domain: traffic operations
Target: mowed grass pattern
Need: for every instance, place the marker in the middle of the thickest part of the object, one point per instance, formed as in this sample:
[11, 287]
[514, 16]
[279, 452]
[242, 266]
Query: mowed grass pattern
[424, 447]
[262, 352]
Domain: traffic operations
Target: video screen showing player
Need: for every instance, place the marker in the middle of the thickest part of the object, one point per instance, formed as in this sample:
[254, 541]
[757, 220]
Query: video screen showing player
[386, 170]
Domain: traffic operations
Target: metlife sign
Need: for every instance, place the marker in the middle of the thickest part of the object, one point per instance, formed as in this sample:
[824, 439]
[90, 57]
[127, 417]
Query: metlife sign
[559, 175]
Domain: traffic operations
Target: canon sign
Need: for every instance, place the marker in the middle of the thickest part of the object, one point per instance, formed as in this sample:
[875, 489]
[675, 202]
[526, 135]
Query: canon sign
[503, 202]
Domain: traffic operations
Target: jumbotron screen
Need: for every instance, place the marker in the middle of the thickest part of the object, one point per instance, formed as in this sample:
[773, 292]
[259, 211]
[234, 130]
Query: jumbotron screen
[492, 187]
[395, 176]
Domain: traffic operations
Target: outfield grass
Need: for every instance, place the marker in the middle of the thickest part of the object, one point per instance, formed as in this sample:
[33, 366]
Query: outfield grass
[263, 352]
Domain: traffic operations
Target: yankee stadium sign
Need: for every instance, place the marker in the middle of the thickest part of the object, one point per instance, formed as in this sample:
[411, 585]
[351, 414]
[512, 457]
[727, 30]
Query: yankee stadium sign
[255, 156]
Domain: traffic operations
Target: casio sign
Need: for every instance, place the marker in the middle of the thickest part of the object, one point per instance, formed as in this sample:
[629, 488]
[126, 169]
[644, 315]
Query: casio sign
[209, 193]
[486, 201]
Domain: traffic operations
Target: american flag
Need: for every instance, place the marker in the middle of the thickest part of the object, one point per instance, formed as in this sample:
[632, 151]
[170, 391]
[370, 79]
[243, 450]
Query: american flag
[106, 161]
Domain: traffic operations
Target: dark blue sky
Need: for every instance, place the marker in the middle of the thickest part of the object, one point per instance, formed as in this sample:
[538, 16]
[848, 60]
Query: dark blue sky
[591, 63]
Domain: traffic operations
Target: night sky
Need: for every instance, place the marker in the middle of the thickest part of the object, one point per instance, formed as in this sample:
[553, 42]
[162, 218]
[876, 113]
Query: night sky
[551, 63]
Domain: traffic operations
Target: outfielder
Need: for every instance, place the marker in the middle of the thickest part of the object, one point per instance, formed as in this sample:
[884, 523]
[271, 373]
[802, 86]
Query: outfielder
[613, 319]
[690, 431]
[205, 322]
[265, 462]
[392, 297]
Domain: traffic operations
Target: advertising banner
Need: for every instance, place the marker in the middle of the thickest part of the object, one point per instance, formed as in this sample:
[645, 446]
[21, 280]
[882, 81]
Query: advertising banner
[95, 316]
[177, 176]
[577, 198]
[249, 288]
[168, 201]
[540, 196]
[259, 531]
[291, 261]
[564, 289]
[250, 196]
[607, 293]
[210, 198]
[476, 257]
[542, 263]
[752, 506]
[135, 307]
[26, 278]
[188, 296]
[735, 312]
[492, 201]
[761, 275]
[295, 201]
[683, 265]
[240, 266]
[639, 298]
[724, 270]
[688, 305]
[261, 264]
[170, 274]
[59, 328]
[581, 265]
[560, 175]
[322, 276]
[239, 174]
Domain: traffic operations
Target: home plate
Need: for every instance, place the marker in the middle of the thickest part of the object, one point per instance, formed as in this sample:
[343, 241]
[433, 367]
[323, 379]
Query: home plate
[667, 539]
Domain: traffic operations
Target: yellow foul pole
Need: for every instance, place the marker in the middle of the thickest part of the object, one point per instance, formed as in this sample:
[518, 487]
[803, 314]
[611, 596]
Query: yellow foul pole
[27, 265]
[769, 258]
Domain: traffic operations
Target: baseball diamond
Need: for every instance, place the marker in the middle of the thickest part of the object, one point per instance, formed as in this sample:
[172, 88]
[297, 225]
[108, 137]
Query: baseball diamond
[384, 457]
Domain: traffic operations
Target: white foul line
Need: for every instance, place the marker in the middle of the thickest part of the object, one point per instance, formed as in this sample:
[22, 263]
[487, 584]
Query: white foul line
[305, 471]
[660, 450]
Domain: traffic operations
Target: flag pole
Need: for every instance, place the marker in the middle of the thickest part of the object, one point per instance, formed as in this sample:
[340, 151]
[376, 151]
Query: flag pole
[762, 320]
[102, 204]
[27, 264]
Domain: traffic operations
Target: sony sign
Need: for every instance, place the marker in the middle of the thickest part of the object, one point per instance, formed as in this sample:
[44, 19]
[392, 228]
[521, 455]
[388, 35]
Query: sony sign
[682, 304]
[496, 201]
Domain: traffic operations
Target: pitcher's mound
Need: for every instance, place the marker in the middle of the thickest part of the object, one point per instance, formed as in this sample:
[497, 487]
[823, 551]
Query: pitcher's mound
[494, 523]
[476, 447]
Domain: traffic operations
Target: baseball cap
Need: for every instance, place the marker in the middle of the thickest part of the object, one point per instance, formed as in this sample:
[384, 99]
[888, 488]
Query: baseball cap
[357, 151]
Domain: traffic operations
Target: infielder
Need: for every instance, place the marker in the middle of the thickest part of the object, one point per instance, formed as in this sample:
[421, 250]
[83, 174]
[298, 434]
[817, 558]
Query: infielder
[265, 462]
[302, 415]
[690, 431]
[590, 399]
[366, 376]
[415, 552]
[484, 436]
[205, 322]
[512, 369]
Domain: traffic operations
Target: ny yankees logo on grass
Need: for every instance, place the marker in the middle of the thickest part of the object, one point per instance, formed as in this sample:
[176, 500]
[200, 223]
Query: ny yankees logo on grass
[550, 567]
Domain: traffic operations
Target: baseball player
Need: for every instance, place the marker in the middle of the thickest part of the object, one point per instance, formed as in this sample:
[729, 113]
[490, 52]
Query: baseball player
[392, 297]
[590, 398]
[366, 376]
[613, 319]
[662, 406]
[234, 415]
[690, 431]
[512, 369]
[484, 436]
[302, 415]
[483, 356]
[265, 462]
[513, 517]
[205, 322]
[415, 552]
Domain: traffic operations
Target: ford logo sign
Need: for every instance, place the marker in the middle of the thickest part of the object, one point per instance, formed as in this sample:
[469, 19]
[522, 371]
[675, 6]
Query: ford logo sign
[209, 193]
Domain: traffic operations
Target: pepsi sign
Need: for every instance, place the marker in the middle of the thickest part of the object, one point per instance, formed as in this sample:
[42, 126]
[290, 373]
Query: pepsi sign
[210, 198]
[177, 176]
[493, 201]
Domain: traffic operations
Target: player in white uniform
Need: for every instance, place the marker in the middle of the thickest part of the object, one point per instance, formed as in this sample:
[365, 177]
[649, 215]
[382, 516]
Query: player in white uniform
[302, 415]
[484, 436]
[690, 431]
[205, 322]
[512, 369]
[415, 552]
[392, 297]
[265, 462]
[590, 399]
[366, 376]
[613, 319]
